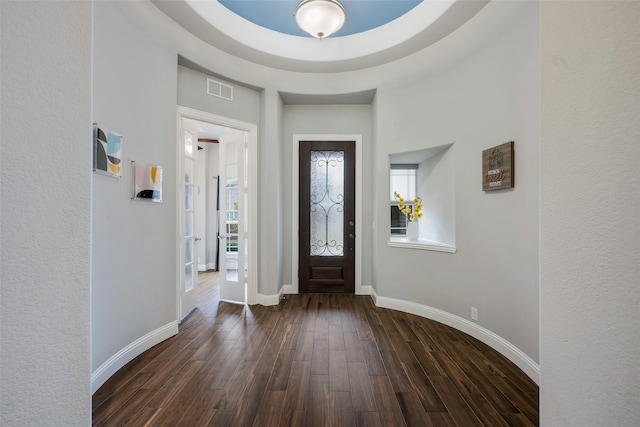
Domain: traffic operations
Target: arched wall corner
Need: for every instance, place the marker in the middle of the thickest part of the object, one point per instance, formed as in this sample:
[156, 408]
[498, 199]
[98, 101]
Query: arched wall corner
[128, 353]
[504, 347]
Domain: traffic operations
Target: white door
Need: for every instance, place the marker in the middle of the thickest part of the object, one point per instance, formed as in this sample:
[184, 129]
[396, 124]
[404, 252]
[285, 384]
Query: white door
[189, 276]
[233, 202]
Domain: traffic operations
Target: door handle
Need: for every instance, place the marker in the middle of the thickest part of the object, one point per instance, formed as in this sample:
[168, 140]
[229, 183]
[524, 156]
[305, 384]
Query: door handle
[197, 238]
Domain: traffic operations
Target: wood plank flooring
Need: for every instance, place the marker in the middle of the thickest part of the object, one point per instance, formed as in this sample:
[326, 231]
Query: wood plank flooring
[315, 360]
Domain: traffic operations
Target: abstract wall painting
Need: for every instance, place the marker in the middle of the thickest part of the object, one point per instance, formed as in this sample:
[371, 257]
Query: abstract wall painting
[107, 152]
[147, 182]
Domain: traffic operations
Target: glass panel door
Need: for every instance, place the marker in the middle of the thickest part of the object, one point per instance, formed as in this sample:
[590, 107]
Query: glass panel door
[189, 277]
[326, 257]
[233, 277]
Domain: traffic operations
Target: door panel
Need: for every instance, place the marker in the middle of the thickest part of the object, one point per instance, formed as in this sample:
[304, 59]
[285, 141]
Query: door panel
[189, 277]
[327, 217]
[233, 237]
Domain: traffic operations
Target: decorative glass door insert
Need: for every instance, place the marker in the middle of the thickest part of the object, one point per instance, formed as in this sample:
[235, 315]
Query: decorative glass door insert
[326, 204]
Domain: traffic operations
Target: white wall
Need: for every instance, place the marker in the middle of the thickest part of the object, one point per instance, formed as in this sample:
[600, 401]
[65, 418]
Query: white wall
[329, 119]
[271, 196]
[192, 93]
[589, 214]
[133, 242]
[436, 181]
[45, 219]
[486, 99]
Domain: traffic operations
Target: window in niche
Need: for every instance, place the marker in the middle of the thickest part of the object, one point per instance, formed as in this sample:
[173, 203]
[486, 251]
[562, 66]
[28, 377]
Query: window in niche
[403, 179]
[428, 173]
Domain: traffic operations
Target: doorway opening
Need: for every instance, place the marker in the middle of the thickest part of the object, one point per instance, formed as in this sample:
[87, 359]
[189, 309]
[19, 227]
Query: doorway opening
[351, 230]
[327, 217]
[216, 220]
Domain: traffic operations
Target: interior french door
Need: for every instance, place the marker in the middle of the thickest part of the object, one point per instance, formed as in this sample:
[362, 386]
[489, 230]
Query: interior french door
[233, 218]
[189, 277]
[327, 217]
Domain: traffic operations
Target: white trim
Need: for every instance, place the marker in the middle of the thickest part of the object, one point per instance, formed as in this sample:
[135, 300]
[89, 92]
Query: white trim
[427, 245]
[252, 175]
[127, 354]
[295, 201]
[273, 299]
[207, 267]
[510, 351]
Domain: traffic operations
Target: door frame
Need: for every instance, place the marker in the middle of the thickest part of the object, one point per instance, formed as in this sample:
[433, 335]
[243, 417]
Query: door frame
[295, 199]
[252, 176]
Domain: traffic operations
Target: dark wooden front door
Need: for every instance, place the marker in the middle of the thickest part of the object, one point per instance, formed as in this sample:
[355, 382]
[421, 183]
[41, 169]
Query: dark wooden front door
[327, 217]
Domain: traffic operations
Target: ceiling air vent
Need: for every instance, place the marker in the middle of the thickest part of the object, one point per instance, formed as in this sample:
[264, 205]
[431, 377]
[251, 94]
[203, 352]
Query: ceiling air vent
[220, 90]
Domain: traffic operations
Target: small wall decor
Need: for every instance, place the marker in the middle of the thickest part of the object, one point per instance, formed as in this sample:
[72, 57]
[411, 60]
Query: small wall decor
[107, 152]
[147, 182]
[497, 167]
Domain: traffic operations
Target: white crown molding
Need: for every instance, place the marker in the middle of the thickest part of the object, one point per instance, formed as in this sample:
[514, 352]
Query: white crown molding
[423, 26]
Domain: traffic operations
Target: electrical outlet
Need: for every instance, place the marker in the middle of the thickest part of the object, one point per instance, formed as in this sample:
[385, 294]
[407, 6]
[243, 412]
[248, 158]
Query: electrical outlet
[474, 313]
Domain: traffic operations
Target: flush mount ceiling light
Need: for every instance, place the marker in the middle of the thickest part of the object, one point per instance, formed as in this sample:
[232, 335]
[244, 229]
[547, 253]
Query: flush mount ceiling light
[320, 18]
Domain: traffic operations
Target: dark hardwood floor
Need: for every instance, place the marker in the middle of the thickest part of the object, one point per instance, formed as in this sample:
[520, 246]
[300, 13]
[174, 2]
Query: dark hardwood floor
[315, 360]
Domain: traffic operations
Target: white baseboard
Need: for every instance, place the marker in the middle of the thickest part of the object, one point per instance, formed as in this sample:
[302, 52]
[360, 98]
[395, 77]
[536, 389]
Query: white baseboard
[510, 351]
[289, 289]
[207, 267]
[124, 356]
[273, 299]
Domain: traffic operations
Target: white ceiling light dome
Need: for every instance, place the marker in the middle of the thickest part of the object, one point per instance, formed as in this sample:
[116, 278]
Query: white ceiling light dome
[320, 18]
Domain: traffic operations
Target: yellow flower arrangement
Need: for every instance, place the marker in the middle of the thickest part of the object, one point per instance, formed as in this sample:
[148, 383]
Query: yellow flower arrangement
[414, 215]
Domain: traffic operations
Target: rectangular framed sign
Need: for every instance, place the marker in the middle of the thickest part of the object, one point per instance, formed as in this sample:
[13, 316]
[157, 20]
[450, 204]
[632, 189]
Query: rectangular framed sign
[497, 167]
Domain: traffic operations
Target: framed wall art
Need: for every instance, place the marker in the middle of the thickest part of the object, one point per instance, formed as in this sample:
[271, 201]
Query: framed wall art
[497, 167]
[107, 152]
[146, 182]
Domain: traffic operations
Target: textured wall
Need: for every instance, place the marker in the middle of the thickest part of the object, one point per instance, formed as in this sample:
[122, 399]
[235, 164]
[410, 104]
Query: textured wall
[589, 214]
[46, 167]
